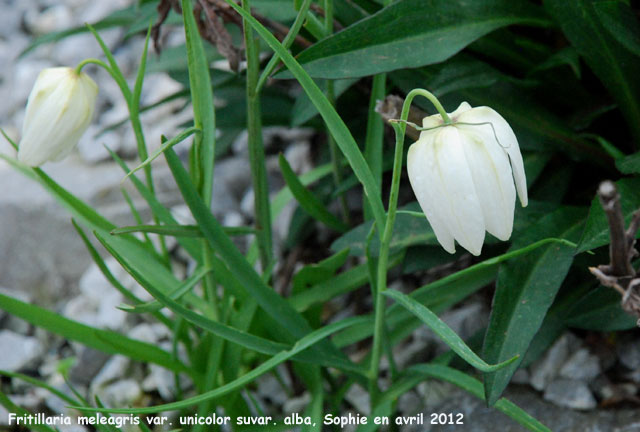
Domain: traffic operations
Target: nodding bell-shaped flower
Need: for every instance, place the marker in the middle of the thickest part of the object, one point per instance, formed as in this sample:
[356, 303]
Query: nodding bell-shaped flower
[59, 110]
[463, 175]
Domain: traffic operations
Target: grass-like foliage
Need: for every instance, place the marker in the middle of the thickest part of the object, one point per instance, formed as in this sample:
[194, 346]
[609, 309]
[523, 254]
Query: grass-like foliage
[562, 73]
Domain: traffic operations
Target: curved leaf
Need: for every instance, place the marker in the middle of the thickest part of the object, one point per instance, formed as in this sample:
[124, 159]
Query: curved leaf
[412, 33]
[614, 64]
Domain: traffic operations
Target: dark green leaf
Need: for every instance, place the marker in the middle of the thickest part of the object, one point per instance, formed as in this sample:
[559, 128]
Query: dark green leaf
[629, 164]
[525, 289]
[307, 200]
[620, 20]
[600, 310]
[616, 67]
[444, 332]
[412, 33]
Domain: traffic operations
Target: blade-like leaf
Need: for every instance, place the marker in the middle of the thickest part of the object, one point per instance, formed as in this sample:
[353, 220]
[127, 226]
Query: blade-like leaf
[273, 304]
[600, 310]
[303, 344]
[412, 33]
[473, 386]
[102, 340]
[335, 124]
[307, 199]
[444, 332]
[525, 290]
[616, 66]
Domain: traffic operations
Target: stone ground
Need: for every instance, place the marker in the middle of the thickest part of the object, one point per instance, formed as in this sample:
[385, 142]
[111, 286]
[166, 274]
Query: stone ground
[43, 261]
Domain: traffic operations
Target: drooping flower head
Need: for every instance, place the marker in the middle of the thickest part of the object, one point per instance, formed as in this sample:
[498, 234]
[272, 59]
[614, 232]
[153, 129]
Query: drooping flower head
[59, 110]
[465, 176]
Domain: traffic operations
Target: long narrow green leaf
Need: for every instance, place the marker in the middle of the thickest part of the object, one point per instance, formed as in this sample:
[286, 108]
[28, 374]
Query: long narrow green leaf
[181, 290]
[308, 200]
[38, 383]
[268, 300]
[165, 145]
[11, 407]
[159, 284]
[614, 65]
[204, 117]
[336, 125]
[179, 230]
[103, 340]
[303, 344]
[474, 387]
[444, 332]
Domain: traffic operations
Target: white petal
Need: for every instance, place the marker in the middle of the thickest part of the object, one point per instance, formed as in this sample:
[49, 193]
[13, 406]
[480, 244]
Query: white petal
[492, 179]
[507, 140]
[416, 164]
[59, 110]
[450, 185]
[463, 107]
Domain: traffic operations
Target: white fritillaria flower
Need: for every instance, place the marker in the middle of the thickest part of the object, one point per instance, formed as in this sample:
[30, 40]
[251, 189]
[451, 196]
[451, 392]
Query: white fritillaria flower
[463, 176]
[59, 110]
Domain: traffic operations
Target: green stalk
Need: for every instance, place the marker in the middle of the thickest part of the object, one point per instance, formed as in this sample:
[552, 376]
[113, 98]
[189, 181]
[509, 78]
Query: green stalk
[333, 151]
[381, 279]
[256, 147]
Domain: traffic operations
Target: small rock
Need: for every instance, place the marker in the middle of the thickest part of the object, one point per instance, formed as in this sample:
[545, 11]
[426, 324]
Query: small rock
[121, 393]
[299, 157]
[571, 394]
[98, 302]
[18, 352]
[359, 398]
[582, 365]
[115, 368]
[144, 332]
[296, 404]
[435, 392]
[521, 376]
[247, 205]
[90, 362]
[163, 381]
[271, 390]
[546, 368]
[233, 219]
[54, 18]
[92, 147]
[4, 416]
[410, 403]
[629, 353]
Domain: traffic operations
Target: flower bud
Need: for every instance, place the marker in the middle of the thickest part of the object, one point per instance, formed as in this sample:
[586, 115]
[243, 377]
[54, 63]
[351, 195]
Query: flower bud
[463, 176]
[59, 110]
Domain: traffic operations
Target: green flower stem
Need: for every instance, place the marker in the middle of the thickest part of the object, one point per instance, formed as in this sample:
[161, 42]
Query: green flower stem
[133, 101]
[383, 257]
[256, 147]
[385, 241]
